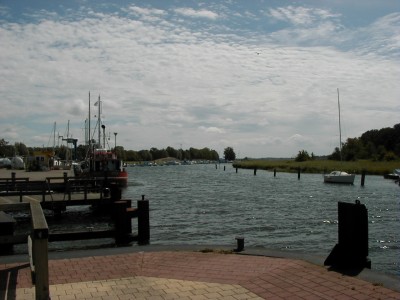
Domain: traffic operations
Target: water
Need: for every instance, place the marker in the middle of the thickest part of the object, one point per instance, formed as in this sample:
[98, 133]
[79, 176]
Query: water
[202, 204]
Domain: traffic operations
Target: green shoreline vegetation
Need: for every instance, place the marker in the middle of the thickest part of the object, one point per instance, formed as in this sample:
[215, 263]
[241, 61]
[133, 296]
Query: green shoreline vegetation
[377, 152]
[320, 166]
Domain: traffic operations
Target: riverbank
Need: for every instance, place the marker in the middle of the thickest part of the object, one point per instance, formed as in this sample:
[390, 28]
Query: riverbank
[320, 166]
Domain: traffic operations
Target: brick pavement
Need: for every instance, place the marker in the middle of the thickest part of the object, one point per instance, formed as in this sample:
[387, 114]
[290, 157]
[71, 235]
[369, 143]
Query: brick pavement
[189, 275]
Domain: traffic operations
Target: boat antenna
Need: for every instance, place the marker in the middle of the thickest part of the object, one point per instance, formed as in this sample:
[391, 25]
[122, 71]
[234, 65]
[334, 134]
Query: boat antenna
[340, 127]
[99, 121]
[89, 142]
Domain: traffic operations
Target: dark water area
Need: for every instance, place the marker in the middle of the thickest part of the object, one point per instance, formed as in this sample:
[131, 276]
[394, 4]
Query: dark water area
[203, 205]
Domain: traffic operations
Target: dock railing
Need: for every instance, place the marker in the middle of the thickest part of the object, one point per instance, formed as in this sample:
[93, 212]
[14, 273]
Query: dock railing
[38, 252]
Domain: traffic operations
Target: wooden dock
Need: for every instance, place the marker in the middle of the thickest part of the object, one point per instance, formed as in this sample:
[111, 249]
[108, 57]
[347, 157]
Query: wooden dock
[56, 193]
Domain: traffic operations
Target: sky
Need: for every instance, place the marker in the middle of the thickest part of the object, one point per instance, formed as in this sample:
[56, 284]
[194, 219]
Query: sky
[259, 76]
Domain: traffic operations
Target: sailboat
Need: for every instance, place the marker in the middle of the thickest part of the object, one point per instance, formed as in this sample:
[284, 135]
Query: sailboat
[339, 176]
[101, 163]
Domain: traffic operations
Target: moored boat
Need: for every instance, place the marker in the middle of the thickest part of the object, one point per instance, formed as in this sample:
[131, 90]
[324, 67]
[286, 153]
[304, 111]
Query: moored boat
[395, 175]
[339, 177]
[101, 163]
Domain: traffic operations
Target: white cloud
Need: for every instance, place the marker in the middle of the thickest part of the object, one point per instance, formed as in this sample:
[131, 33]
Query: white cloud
[202, 13]
[167, 83]
[212, 129]
[300, 16]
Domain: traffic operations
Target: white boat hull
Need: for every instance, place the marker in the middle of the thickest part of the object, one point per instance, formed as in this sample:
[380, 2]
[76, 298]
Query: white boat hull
[339, 177]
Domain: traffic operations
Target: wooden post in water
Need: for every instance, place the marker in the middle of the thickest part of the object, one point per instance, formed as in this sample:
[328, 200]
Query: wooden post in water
[123, 225]
[143, 221]
[236, 170]
[224, 168]
[298, 173]
[274, 172]
[362, 177]
[255, 171]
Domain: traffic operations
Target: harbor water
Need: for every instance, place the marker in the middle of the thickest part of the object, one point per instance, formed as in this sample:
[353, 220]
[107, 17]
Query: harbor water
[209, 204]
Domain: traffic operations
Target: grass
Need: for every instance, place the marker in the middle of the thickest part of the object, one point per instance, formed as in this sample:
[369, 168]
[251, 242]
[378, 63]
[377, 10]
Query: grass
[321, 166]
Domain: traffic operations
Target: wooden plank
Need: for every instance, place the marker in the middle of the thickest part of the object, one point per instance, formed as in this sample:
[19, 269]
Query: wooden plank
[30, 252]
[40, 251]
[39, 223]
[29, 199]
[14, 206]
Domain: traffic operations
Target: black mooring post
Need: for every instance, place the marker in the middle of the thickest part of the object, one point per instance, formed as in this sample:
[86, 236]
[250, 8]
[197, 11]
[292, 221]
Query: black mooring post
[362, 177]
[352, 248]
[298, 173]
[123, 226]
[143, 221]
[240, 243]
[274, 172]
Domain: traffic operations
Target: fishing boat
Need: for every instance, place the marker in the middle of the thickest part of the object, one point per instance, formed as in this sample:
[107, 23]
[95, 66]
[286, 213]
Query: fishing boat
[339, 176]
[101, 162]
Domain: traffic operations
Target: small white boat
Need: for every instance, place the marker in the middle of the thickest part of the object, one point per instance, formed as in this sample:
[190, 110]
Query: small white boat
[339, 177]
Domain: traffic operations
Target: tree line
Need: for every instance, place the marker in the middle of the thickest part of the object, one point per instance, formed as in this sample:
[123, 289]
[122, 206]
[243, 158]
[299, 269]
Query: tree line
[66, 153]
[376, 145]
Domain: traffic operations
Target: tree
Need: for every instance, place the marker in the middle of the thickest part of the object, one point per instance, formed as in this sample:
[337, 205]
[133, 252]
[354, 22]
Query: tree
[302, 156]
[229, 153]
[335, 154]
[21, 149]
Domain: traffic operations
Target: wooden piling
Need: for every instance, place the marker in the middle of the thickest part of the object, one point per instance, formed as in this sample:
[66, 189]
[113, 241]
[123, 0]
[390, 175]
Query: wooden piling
[123, 224]
[236, 170]
[362, 177]
[298, 173]
[143, 221]
[255, 171]
[274, 172]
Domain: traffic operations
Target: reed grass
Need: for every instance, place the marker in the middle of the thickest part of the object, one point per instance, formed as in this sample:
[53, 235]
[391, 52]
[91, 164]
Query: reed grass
[321, 166]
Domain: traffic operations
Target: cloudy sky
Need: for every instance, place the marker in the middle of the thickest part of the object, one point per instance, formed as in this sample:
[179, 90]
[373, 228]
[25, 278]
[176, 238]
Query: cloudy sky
[258, 76]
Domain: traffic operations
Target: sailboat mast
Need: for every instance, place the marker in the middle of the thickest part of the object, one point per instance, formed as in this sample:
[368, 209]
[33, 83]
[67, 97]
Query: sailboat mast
[99, 122]
[340, 127]
[89, 142]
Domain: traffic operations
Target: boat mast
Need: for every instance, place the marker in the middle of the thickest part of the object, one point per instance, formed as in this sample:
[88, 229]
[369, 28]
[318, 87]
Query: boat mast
[89, 142]
[340, 127]
[99, 121]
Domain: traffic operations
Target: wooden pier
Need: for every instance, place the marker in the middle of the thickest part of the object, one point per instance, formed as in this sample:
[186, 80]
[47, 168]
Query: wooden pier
[58, 193]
